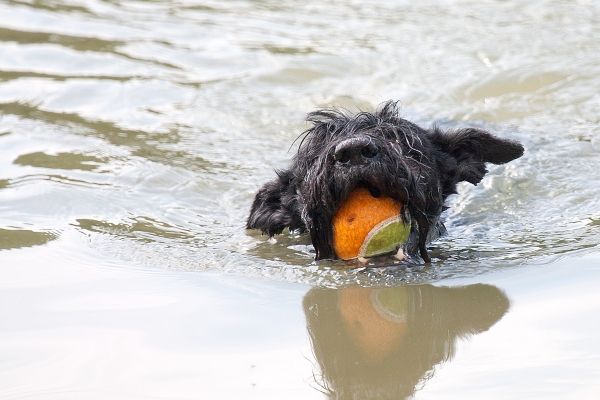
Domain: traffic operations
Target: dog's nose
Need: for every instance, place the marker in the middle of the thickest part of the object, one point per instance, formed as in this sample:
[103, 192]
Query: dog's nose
[355, 151]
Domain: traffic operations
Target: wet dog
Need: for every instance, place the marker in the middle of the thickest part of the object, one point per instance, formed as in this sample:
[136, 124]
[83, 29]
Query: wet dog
[388, 155]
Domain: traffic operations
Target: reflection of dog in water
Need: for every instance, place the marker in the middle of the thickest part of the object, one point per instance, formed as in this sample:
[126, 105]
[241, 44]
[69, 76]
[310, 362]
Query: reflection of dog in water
[380, 343]
[389, 156]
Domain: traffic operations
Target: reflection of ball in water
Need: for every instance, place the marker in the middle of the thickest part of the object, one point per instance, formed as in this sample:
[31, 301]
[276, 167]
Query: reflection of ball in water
[375, 328]
[366, 226]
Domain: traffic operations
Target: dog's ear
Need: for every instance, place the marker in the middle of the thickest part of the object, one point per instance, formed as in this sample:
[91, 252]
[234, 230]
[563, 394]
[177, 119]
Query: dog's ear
[275, 206]
[469, 149]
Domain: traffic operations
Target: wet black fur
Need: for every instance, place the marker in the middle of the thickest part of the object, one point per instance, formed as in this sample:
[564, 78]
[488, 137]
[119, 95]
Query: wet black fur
[418, 167]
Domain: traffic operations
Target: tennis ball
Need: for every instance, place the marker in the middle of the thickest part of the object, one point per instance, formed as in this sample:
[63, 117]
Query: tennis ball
[367, 226]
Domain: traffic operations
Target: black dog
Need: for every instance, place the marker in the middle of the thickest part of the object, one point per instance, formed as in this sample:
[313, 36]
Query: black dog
[384, 153]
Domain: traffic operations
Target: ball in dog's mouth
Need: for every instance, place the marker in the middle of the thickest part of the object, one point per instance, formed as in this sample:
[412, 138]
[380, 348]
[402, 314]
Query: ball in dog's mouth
[369, 224]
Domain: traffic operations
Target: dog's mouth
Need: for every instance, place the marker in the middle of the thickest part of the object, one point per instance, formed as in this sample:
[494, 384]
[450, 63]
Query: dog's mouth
[378, 191]
[374, 190]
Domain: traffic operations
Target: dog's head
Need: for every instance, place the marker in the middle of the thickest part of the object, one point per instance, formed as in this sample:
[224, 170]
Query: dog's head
[388, 155]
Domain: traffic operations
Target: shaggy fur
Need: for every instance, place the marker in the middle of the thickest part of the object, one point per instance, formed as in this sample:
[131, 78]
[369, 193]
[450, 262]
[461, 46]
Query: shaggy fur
[383, 152]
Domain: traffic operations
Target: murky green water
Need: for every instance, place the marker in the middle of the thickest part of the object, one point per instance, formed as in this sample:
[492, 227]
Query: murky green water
[133, 135]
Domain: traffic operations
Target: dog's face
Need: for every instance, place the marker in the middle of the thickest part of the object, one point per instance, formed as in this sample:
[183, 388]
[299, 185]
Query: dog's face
[386, 154]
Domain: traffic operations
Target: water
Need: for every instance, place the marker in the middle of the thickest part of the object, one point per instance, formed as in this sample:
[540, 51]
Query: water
[134, 134]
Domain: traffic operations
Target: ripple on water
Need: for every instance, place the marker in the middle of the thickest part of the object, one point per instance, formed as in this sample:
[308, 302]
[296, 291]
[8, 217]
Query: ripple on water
[19, 238]
[60, 161]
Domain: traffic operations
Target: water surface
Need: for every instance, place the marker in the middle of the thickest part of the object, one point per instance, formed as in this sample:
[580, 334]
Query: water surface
[134, 134]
